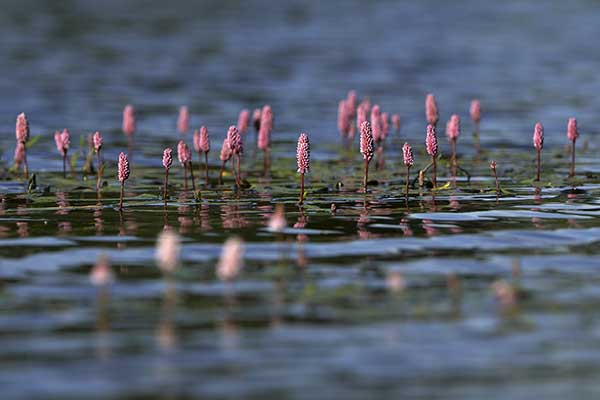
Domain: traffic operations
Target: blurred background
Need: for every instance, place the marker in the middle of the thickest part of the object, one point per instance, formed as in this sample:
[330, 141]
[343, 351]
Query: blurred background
[75, 64]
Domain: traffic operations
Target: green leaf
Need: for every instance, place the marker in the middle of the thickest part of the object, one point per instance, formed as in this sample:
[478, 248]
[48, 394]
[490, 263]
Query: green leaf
[32, 141]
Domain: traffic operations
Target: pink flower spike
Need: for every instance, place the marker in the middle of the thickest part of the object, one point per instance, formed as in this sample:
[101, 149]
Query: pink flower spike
[303, 154]
[367, 147]
[183, 153]
[123, 168]
[167, 158]
[204, 140]
[19, 153]
[453, 127]
[196, 140]
[475, 111]
[183, 121]
[128, 120]
[22, 128]
[225, 151]
[572, 131]
[231, 260]
[431, 143]
[361, 114]
[62, 141]
[376, 124]
[97, 141]
[538, 136]
[243, 121]
[351, 102]
[235, 140]
[396, 122]
[431, 110]
[385, 124]
[408, 155]
[343, 119]
[266, 127]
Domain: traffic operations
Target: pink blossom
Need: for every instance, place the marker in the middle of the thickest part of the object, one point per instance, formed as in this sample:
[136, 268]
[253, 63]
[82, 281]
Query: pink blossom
[22, 128]
[572, 131]
[303, 154]
[183, 121]
[225, 151]
[408, 155]
[243, 121]
[128, 120]
[62, 141]
[475, 111]
[538, 136]
[431, 110]
[367, 146]
[385, 125]
[266, 127]
[343, 118]
[123, 167]
[183, 152]
[97, 141]
[453, 127]
[167, 158]
[376, 123]
[235, 140]
[431, 143]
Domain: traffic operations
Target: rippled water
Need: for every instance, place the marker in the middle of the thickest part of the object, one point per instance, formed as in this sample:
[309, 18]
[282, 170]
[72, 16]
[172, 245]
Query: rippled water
[379, 299]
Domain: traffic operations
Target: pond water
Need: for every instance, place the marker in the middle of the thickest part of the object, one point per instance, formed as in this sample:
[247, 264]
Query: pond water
[457, 293]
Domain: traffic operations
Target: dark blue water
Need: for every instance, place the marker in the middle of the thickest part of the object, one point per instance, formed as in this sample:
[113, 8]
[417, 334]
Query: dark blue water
[315, 314]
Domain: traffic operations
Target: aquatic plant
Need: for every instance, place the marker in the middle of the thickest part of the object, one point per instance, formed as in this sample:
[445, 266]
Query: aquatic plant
[475, 112]
[431, 145]
[407, 154]
[237, 148]
[167, 161]
[123, 174]
[493, 167]
[343, 119]
[243, 121]
[184, 155]
[97, 143]
[183, 120]
[62, 141]
[367, 147]
[22, 136]
[572, 135]
[264, 135]
[538, 143]
[202, 145]
[224, 156]
[303, 160]
[431, 110]
[452, 132]
[231, 260]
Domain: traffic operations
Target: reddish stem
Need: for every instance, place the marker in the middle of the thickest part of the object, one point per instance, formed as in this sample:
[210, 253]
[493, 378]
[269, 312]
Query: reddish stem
[539, 164]
[192, 176]
[407, 180]
[301, 189]
[366, 177]
[99, 172]
[434, 172]
[453, 144]
[121, 199]
[206, 166]
[185, 185]
[166, 188]
[25, 165]
[65, 165]
[572, 172]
